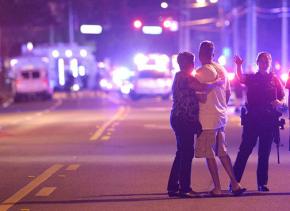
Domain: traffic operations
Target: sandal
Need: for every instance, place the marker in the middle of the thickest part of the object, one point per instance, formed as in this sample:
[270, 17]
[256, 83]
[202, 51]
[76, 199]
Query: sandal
[239, 191]
[213, 194]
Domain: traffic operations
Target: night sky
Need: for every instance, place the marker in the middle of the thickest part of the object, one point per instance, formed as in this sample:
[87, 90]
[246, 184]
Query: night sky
[33, 20]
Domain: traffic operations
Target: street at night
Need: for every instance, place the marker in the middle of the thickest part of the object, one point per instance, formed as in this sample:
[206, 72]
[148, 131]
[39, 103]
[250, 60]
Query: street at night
[93, 151]
[144, 105]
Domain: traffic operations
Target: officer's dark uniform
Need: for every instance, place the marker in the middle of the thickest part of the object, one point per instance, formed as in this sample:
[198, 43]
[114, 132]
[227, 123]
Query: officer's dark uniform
[287, 86]
[262, 89]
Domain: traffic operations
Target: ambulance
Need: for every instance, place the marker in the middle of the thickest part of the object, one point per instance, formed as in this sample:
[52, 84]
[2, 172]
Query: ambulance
[31, 78]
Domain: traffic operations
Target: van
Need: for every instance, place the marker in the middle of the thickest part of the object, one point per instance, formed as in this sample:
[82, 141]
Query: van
[31, 80]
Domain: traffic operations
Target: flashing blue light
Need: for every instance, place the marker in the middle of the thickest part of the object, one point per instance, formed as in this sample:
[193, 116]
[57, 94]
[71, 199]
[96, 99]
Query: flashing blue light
[227, 51]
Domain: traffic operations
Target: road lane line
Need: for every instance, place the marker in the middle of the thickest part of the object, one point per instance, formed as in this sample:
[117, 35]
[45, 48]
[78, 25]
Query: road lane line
[73, 167]
[12, 200]
[46, 191]
[103, 127]
[125, 113]
[111, 129]
[105, 138]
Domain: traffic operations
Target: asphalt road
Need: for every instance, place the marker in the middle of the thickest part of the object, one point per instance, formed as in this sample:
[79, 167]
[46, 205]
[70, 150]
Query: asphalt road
[94, 151]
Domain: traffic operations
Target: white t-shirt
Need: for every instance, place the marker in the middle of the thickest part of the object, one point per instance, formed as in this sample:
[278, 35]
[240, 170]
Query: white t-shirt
[213, 113]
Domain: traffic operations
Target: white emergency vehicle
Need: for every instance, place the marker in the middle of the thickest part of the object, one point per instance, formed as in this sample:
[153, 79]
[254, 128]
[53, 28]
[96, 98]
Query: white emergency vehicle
[153, 76]
[31, 78]
[45, 68]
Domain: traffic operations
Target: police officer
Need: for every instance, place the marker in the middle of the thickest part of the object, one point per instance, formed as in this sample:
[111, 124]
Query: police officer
[287, 86]
[264, 95]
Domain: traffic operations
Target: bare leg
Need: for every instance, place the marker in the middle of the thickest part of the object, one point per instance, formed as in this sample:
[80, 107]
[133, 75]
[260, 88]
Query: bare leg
[227, 164]
[212, 167]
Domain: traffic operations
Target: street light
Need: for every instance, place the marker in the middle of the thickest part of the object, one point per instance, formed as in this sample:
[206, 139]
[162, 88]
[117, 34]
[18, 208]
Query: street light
[137, 24]
[164, 5]
[91, 29]
[202, 3]
[154, 30]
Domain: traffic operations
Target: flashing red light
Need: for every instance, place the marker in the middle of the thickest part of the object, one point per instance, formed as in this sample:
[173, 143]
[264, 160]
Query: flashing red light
[137, 24]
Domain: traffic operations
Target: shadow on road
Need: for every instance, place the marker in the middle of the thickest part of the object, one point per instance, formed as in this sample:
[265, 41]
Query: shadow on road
[142, 197]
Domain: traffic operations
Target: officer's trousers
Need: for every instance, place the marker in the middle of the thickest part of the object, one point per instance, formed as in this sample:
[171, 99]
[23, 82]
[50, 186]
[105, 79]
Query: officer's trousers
[253, 132]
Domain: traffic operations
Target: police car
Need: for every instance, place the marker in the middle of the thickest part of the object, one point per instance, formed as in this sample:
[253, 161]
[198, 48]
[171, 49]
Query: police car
[151, 83]
[152, 77]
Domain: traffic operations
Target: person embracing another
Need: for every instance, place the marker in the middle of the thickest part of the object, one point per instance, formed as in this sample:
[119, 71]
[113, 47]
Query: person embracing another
[213, 118]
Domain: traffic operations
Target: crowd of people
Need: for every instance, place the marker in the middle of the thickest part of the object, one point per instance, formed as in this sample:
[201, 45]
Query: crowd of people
[199, 111]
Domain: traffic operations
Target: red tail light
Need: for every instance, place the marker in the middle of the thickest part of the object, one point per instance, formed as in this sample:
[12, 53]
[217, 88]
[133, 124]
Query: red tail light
[45, 82]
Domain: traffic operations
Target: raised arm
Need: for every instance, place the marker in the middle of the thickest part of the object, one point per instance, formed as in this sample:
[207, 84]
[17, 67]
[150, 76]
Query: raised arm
[239, 61]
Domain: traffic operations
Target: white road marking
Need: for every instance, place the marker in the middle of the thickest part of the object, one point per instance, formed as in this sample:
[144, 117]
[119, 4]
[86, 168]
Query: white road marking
[157, 108]
[28, 118]
[39, 114]
[157, 127]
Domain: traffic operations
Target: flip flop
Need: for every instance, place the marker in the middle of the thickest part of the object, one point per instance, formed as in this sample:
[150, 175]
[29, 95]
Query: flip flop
[239, 191]
[213, 194]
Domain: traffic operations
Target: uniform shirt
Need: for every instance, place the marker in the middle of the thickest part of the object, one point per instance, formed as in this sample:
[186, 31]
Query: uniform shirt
[262, 90]
[185, 102]
[213, 113]
[288, 87]
[288, 82]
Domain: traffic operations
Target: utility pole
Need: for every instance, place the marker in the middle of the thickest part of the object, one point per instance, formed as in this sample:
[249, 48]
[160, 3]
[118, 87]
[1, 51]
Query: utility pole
[284, 38]
[251, 34]
[184, 32]
[222, 23]
[51, 34]
[70, 22]
[235, 26]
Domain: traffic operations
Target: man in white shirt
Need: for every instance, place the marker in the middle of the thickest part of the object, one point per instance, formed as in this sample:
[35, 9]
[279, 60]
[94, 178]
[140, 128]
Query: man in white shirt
[213, 118]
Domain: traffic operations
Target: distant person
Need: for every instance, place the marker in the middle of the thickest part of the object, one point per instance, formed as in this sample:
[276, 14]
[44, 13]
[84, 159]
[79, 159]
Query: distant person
[69, 81]
[238, 90]
[264, 95]
[84, 80]
[98, 78]
[213, 118]
[184, 121]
